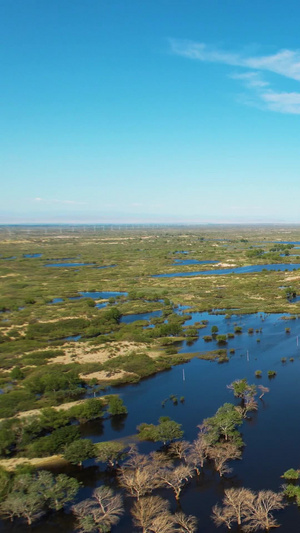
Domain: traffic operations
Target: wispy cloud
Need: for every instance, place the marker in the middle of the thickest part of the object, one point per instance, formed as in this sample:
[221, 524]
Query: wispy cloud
[285, 63]
[250, 79]
[57, 201]
[282, 102]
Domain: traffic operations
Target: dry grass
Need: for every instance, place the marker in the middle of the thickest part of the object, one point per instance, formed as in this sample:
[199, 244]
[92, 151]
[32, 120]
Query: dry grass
[107, 376]
[86, 353]
[44, 462]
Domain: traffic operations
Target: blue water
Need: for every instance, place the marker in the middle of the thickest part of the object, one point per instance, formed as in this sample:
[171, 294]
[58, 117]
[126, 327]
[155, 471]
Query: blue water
[101, 294]
[295, 299]
[56, 301]
[31, 256]
[67, 264]
[237, 270]
[192, 262]
[271, 435]
[284, 242]
[128, 319]
[73, 338]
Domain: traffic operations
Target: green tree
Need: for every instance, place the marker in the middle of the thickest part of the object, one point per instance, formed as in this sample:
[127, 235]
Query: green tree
[223, 423]
[24, 501]
[53, 443]
[116, 406]
[5, 479]
[57, 491]
[291, 474]
[88, 410]
[110, 453]
[52, 419]
[7, 438]
[166, 431]
[242, 389]
[79, 451]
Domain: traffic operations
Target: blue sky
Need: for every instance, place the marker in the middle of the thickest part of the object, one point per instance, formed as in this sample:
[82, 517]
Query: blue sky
[149, 111]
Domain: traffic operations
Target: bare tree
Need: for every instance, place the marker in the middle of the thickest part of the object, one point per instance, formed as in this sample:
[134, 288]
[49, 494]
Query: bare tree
[175, 478]
[163, 524]
[221, 454]
[263, 390]
[160, 459]
[101, 512]
[146, 510]
[249, 405]
[185, 524]
[199, 450]
[180, 449]
[235, 507]
[223, 515]
[139, 475]
[259, 512]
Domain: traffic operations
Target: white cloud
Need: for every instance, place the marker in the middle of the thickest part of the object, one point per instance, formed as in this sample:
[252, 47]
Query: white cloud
[285, 63]
[282, 102]
[251, 79]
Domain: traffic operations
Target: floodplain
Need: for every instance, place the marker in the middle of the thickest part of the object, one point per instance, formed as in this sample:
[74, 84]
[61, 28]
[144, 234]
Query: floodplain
[125, 313]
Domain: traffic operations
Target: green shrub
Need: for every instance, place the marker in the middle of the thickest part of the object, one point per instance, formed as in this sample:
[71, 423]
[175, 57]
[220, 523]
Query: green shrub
[53, 443]
[116, 406]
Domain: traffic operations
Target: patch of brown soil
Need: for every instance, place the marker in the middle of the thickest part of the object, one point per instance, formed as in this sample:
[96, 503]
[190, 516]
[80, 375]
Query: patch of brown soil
[86, 353]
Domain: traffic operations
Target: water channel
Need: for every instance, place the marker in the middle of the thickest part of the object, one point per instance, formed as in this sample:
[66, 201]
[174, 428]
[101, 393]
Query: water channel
[233, 270]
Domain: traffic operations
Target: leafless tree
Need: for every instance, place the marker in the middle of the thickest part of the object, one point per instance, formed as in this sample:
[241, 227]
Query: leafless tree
[249, 405]
[180, 449]
[163, 524]
[160, 459]
[175, 477]
[139, 475]
[101, 512]
[185, 524]
[136, 459]
[199, 450]
[235, 507]
[223, 515]
[147, 509]
[263, 390]
[253, 512]
[221, 454]
[259, 513]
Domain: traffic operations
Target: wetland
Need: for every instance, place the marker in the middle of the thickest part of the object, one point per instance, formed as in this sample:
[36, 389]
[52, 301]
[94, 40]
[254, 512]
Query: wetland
[166, 345]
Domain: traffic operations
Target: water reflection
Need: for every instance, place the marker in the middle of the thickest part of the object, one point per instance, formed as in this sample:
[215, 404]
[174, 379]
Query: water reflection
[118, 422]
